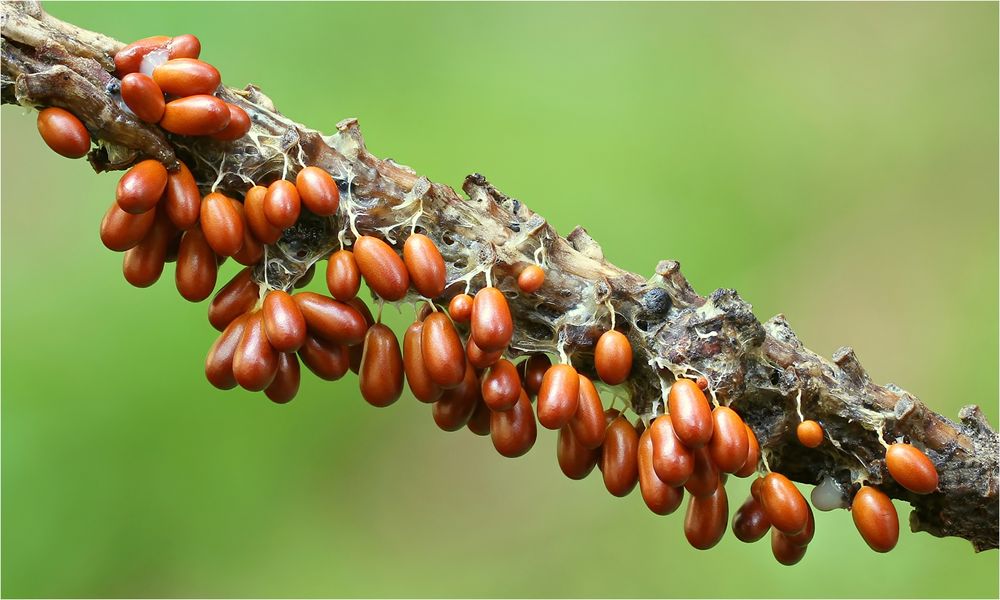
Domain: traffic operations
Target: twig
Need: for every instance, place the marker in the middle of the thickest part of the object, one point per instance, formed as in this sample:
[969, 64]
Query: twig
[758, 369]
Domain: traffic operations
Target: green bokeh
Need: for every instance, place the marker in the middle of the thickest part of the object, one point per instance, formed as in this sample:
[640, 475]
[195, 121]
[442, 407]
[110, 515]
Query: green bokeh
[837, 162]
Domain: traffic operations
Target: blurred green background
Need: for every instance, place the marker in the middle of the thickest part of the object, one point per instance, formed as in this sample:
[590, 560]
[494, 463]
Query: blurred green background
[835, 162]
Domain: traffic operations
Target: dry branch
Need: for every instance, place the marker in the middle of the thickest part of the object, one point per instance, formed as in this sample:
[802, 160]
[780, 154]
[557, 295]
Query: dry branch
[760, 369]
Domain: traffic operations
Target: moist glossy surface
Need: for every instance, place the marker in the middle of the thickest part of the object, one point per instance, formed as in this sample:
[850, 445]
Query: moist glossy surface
[613, 357]
[186, 77]
[382, 268]
[282, 204]
[911, 468]
[318, 191]
[183, 199]
[381, 372]
[195, 115]
[143, 96]
[619, 457]
[690, 413]
[425, 265]
[141, 187]
[343, 278]
[444, 356]
[492, 325]
[559, 396]
[222, 224]
[283, 321]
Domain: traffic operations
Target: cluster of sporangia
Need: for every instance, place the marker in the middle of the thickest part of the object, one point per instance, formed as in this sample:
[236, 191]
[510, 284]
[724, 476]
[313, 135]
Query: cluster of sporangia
[160, 217]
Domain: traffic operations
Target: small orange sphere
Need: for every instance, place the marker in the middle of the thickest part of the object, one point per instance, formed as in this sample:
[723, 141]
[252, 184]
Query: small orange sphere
[530, 279]
[460, 308]
[810, 433]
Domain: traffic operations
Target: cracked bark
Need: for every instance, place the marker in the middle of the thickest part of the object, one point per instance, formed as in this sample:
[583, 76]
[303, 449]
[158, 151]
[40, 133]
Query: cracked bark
[760, 369]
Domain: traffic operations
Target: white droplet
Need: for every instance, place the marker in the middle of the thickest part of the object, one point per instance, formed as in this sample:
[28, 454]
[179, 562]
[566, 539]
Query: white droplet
[153, 60]
[828, 495]
[121, 103]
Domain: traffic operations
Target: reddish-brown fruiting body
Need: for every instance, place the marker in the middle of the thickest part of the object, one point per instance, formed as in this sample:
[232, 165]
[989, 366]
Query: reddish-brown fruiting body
[425, 265]
[729, 444]
[444, 356]
[690, 413]
[197, 267]
[63, 132]
[613, 357]
[222, 224]
[911, 468]
[786, 509]
[753, 455]
[327, 360]
[183, 200]
[513, 431]
[457, 404]
[672, 461]
[286, 380]
[121, 230]
[532, 371]
[619, 456]
[253, 207]
[704, 476]
[460, 308]
[419, 380]
[174, 245]
[195, 115]
[381, 373]
[252, 250]
[559, 396]
[501, 386]
[282, 204]
[332, 320]
[239, 125]
[141, 187]
[184, 46]
[810, 433]
[186, 77]
[383, 270]
[492, 325]
[706, 518]
[219, 362]
[355, 351]
[587, 422]
[143, 264]
[530, 279]
[784, 550]
[283, 321]
[235, 298]
[343, 278]
[255, 363]
[750, 521]
[143, 97]
[876, 519]
[318, 191]
[129, 58]
[479, 422]
[575, 460]
[478, 358]
[661, 498]
[805, 536]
